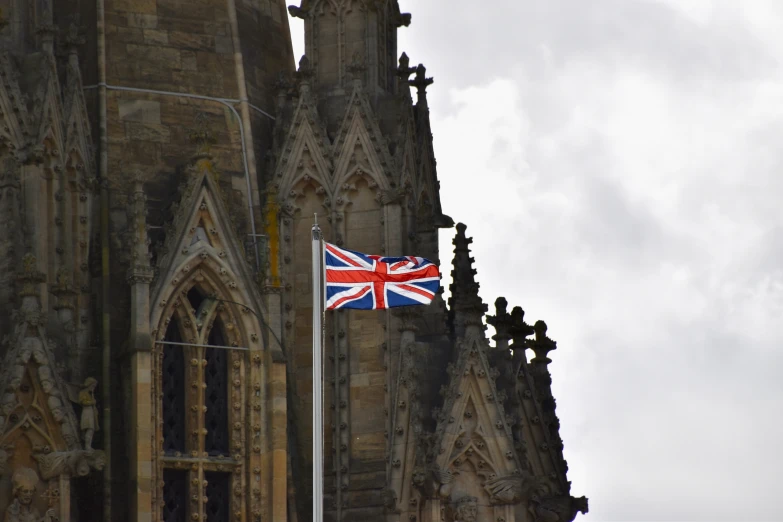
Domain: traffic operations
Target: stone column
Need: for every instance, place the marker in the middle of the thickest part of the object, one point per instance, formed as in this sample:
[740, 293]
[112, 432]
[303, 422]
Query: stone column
[140, 348]
[36, 213]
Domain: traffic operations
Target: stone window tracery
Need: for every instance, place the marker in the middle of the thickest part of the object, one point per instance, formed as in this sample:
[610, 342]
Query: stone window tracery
[201, 431]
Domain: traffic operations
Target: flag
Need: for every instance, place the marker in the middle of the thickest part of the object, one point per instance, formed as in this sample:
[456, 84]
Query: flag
[369, 282]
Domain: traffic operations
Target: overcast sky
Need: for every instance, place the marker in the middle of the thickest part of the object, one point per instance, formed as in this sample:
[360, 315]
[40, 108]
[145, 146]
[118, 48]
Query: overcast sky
[619, 165]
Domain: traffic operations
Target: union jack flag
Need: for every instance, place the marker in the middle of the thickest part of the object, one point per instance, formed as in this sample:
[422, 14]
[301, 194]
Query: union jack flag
[368, 282]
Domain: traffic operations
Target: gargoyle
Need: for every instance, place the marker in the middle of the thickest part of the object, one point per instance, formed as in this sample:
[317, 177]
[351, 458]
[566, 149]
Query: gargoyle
[561, 508]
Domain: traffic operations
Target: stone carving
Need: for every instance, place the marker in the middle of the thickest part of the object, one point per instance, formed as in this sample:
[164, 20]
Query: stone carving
[444, 481]
[560, 508]
[21, 509]
[466, 509]
[505, 490]
[89, 420]
[389, 497]
[513, 488]
[405, 70]
[75, 463]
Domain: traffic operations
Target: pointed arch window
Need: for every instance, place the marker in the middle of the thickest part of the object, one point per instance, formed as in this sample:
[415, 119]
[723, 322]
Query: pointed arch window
[199, 416]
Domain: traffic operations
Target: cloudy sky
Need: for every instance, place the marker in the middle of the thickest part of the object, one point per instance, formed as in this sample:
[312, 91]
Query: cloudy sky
[619, 165]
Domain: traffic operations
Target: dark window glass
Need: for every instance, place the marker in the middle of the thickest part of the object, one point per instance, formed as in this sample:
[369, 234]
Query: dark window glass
[173, 392]
[216, 396]
[175, 495]
[195, 298]
[217, 496]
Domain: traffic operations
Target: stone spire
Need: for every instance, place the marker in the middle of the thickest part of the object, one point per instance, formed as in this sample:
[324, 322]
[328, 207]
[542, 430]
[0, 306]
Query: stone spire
[465, 306]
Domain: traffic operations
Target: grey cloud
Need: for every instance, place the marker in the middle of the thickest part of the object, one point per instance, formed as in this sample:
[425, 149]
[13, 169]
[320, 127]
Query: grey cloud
[646, 33]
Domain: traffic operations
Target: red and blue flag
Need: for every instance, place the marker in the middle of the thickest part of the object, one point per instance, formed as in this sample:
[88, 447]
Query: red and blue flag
[369, 282]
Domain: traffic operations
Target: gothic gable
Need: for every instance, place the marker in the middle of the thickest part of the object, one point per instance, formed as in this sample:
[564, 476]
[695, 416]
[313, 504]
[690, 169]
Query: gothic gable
[78, 142]
[305, 161]
[13, 111]
[405, 155]
[202, 250]
[360, 146]
[473, 428]
[47, 118]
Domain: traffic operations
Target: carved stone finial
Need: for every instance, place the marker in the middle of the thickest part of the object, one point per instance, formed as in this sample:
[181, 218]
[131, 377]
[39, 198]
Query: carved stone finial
[404, 70]
[304, 65]
[519, 330]
[202, 136]
[465, 304]
[542, 344]
[75, 35]
[304, 74]
[420, 81]
[502, 322]
[46, 29]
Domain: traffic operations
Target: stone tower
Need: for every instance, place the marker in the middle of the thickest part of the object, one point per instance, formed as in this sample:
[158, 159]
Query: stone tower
[160, 165]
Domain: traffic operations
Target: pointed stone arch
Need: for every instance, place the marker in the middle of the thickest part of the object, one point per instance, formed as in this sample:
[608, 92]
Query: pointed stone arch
[78, 140]
[306, 150]
[48, 127]
[14, 110]
[474, 455]
[204, 257]
[359, 147]
[305, 160]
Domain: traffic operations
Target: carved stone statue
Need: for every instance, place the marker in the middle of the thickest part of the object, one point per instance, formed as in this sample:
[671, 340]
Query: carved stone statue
[21, 509]
[466, 509]
[89, 421]
[47, 379]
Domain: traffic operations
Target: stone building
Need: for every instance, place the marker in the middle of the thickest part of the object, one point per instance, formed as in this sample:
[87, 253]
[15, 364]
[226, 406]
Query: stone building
[160, 164]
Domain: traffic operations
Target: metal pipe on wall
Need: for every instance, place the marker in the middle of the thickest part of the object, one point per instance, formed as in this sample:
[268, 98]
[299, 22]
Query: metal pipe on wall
[103, 167]
[227, 102]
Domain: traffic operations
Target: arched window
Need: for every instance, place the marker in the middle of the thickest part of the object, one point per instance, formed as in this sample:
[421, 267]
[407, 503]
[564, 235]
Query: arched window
[196, 358]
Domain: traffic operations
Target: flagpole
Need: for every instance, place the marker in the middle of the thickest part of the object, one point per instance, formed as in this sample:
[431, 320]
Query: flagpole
[318, 310]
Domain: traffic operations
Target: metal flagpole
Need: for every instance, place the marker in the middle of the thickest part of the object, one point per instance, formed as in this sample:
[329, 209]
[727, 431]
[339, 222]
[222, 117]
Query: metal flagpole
[318, 311]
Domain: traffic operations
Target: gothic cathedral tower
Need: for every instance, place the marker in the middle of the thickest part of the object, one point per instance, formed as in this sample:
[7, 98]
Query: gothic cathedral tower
[353, 147]
[161, 162]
